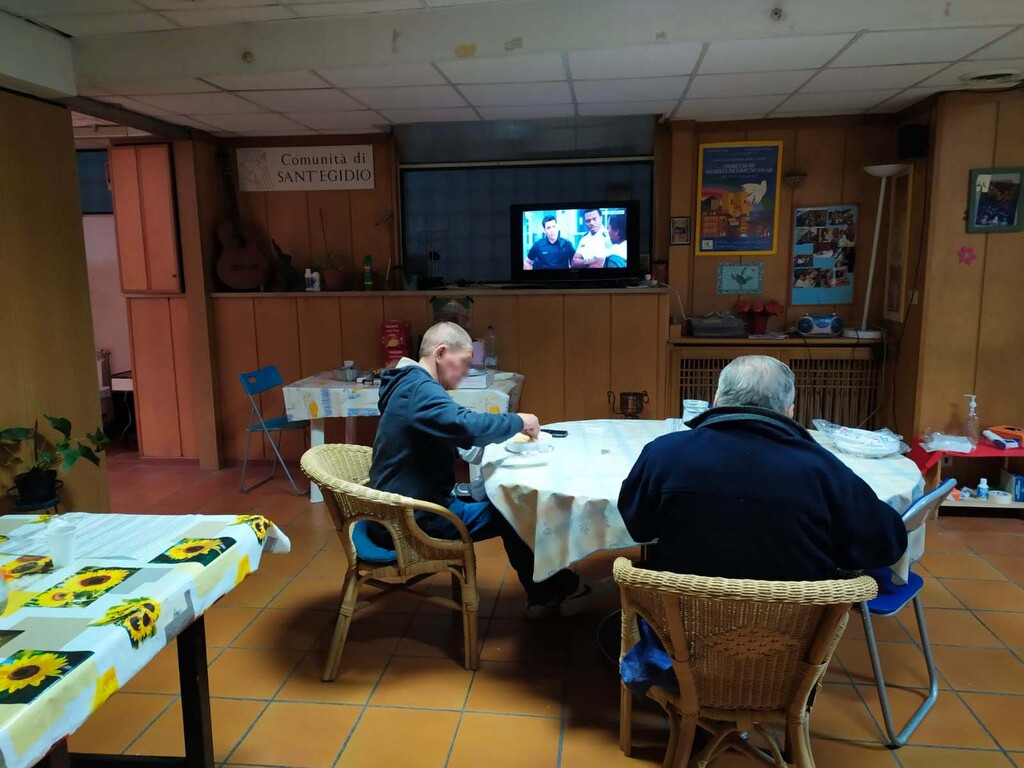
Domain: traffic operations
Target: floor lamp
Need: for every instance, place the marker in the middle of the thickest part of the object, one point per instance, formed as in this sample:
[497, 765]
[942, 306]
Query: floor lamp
[884, 173]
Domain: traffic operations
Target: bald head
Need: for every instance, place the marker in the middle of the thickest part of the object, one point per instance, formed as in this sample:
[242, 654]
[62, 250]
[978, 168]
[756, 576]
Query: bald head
[757, 381]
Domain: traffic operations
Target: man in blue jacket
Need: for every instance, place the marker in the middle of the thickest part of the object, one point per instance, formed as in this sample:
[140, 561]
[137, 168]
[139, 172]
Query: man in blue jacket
[747, 493]
[422, 428]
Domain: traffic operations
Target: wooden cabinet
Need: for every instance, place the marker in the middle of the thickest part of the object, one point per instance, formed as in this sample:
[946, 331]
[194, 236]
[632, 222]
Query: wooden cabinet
[144, 217]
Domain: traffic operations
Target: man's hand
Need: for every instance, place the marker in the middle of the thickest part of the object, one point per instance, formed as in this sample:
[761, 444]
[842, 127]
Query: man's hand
[531, 425]
[578, 262]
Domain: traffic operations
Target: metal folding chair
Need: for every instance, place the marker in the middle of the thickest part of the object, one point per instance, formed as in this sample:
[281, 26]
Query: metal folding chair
[892, 598]
[254, 383]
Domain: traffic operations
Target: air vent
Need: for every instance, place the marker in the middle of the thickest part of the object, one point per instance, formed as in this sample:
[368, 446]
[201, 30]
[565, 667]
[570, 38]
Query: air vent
[993, 78]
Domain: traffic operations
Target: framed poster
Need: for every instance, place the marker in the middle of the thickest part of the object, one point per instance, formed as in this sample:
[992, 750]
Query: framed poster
[738, 198]
[824, 253]
[734, 277]
[995, 203]
[897, 247]
[680, 234]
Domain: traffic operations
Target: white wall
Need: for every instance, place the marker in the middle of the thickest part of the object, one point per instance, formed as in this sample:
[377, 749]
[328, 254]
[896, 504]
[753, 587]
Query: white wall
[109, 315]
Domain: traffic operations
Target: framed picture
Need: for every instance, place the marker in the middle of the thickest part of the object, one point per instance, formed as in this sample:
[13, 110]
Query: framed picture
[995, 203]
[680, 230]
[738, 198]
[824, 254]
[897, 247]
[735, 277]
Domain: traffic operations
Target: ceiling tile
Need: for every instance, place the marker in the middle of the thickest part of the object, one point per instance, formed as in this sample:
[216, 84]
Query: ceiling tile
[717, 108]
[240, 123]
[208, 17]
[133, 105]
[267, 81]
[462, 115]
[752, 84]
[427, 97]
[852, 101]
[445, 3]
[858, 78]
[202, 104]
[384, 76]
[658, 60]
[517, 94]
[84, 24]
[649, 89]
[626, 108]
[321, 100]
[341, 121]
[91, 89]
[916, 46]
[32, 8]
[186, 5]
[149, 87]
[904, 99]
[1008, 47]
[535, 112]
[951, 75]
[530, 68]
[190, 122]
[775, 53]
[354, 7]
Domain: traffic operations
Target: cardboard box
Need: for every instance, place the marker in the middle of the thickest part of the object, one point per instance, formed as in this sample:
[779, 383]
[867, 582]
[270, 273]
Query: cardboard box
[1013, 484]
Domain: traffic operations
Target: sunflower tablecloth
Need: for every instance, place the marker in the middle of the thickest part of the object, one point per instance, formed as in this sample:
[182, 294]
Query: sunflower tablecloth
[71, 637]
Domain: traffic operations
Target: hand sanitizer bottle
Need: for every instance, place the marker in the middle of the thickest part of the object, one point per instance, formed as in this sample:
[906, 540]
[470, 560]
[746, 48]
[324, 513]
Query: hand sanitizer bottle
[972, 431]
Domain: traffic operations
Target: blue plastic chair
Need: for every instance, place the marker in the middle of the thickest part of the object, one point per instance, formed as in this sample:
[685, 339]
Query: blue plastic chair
[892, 598]
[254, 383]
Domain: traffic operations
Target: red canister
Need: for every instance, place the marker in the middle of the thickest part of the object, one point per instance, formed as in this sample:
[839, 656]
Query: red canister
[395, 340]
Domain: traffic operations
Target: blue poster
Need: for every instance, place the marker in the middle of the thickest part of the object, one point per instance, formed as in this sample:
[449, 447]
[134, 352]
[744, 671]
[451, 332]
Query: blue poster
[738, 201]
[824, 250]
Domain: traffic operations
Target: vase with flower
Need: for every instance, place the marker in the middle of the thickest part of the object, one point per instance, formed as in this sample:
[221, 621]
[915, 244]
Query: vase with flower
[756, 314]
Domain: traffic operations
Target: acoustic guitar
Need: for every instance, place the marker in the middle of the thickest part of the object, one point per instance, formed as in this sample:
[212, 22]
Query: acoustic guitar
[240, 265]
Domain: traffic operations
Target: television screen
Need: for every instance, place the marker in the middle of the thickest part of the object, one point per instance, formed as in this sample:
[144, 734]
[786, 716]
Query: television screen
[575, 238]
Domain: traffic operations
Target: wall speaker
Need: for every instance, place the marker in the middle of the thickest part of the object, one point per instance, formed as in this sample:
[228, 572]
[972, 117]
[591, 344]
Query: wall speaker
[912, 142]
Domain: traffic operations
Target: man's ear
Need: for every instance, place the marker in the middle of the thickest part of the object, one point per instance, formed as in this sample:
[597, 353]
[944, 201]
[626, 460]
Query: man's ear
[791, 410]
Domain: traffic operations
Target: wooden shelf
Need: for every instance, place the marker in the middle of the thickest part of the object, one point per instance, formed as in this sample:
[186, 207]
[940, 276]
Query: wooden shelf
[836, 341]
[454, 292]
[975, 504]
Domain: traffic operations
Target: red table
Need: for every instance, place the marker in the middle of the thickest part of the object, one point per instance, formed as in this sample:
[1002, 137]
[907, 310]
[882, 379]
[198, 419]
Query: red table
[930, 465]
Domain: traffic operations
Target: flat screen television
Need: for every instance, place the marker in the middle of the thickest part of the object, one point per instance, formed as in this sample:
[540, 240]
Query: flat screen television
[587, 242]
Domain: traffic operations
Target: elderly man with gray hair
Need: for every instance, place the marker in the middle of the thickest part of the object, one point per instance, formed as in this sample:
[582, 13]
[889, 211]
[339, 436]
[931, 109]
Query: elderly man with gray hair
[747, 493]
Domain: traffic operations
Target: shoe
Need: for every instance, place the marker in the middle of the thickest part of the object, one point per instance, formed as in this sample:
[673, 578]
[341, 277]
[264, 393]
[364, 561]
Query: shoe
[588, 596]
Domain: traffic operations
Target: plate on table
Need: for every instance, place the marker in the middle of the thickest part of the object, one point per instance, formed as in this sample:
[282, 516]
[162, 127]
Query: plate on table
[525, 446]
[865, 444]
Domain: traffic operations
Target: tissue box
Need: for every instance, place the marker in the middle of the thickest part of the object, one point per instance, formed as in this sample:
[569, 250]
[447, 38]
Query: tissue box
[1013, 484]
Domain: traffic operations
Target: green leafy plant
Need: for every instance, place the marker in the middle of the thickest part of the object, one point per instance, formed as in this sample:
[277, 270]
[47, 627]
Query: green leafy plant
[60, 454]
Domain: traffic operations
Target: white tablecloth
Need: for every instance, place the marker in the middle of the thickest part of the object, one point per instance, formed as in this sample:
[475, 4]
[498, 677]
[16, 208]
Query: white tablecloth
[563, 503]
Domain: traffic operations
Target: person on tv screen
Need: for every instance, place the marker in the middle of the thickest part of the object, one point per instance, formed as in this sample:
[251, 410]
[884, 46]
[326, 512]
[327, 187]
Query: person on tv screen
[594, 245]
[552, 251]
[617, 237]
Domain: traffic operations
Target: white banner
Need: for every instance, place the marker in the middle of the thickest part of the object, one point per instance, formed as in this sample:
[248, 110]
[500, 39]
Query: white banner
[286, 169]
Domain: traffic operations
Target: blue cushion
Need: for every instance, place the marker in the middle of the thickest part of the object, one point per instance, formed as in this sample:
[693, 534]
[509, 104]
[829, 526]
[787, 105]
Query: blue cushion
[892, 597]
[278, 423]
[367, 550]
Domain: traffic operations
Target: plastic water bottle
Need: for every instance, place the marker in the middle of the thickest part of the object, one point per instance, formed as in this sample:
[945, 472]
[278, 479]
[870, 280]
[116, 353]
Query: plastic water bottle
[490, 349]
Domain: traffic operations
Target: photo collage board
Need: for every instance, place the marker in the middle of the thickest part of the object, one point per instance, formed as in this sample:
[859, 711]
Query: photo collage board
[824, 253]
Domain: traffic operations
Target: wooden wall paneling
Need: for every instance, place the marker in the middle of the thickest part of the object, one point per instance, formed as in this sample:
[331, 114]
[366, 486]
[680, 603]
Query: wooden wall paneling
[127, 197]
[587, 356]
[361, 319]
[373, 212]
[636, 347]
[501, 313]
[252, 207]
[680, 257]
[337, 226]
[661, 191]
[665, 304]
[541, 361]
[156, 395]
[235, 332]
[416, 310]
[965, 139]
[288, 225]
[190, 421]
[277, 343]
[158, 217]
[47, 326]
[319, 322]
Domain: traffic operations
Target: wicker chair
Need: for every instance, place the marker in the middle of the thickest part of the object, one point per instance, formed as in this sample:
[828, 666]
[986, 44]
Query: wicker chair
[745, 654]
[342, 472]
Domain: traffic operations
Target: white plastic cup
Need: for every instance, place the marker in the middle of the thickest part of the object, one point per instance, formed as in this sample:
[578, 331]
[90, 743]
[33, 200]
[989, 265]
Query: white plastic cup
[594, 441]
[60, 540]
[694, 408]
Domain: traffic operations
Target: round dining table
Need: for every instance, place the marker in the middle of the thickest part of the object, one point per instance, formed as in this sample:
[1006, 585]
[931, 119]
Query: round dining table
[564, 502]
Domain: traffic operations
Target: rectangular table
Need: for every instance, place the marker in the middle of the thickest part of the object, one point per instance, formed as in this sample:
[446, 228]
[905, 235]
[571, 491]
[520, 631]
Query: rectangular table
[325, 396]
[71, 637]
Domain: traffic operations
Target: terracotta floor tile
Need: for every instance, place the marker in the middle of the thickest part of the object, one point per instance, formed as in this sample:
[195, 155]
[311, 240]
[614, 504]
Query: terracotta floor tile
[949, 724]
[286, 629]
[224, 623]
[987, 595]
[438, 637]
[1002, 525]
[1008, 627]
[160, 675]
[902, 664]
[591, 746]
[410, 682]
[843, 754]
[518, 690]
[981, 669]
[935, 595]
[286, 565]
[507, 742]
[1011, 567]
[116, 724]
[886, 629]
[1001, 715]
[927, 757]
[425, 738]
[839, 713]
[993, 543]
[282, 736]
[357, 677]
[372, 632]
[254, 592]
[544, 643]
[307, 594]
[251, 674]
[949, 627]
[937, 539]
[960, 566]
[231, 718]
[327, 564]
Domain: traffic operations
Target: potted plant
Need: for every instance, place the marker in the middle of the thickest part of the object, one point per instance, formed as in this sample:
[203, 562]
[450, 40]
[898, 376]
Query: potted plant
[757, 314]
[38, 483]
[332, 278]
